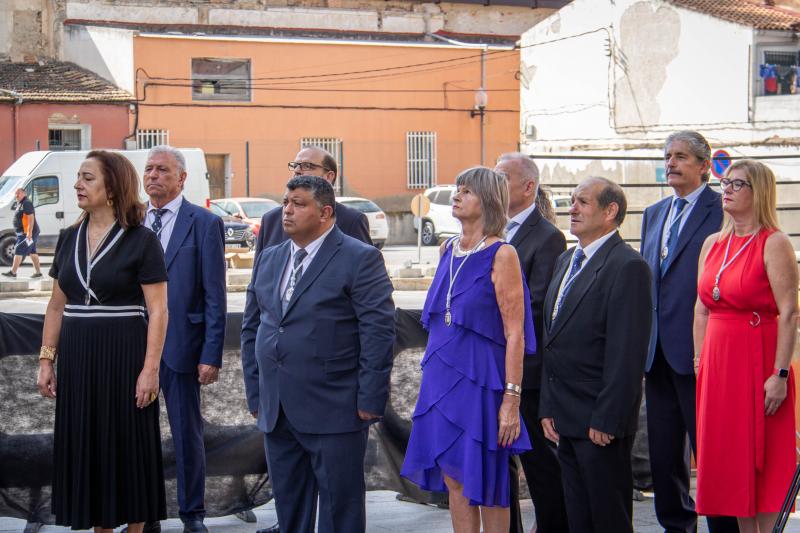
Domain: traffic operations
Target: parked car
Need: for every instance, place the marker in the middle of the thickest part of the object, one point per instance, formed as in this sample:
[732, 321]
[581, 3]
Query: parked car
[237, 233]
[440, 223]
[378, 225]
[249, 210]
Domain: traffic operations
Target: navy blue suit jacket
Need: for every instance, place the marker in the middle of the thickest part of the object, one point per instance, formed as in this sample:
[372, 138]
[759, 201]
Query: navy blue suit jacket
[331, 353]
[675, 290]
[195, 258]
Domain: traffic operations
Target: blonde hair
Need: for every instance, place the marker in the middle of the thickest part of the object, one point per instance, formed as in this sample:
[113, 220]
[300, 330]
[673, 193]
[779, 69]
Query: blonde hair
[762, 180]
[491, 189]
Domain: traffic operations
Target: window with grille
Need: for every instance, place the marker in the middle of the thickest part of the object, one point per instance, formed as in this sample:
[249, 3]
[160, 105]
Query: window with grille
[220, 79]
[60, 140]
[786, 59]
[780, 73]
[334, 147]
[146, 139]
[421, 158]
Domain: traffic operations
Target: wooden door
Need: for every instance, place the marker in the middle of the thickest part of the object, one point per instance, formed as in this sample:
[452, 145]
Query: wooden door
[216, 175]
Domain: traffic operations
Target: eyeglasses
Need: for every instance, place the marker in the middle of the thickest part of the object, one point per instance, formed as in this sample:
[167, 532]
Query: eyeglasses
[305, 166]
[736, 185]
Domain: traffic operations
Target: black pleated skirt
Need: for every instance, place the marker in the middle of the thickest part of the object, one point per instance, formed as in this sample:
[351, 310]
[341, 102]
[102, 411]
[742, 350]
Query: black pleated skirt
[107, 453]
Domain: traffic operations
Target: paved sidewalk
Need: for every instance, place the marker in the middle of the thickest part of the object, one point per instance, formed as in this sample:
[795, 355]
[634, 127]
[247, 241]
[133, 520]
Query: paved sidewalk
[385, 514]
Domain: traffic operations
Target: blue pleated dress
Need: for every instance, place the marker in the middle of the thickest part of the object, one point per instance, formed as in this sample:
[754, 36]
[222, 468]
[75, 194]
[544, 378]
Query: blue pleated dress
[455, 427]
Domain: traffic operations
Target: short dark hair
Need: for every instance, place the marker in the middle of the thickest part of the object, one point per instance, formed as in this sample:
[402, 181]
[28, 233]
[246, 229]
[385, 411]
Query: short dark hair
[612, 193]
[321, 190]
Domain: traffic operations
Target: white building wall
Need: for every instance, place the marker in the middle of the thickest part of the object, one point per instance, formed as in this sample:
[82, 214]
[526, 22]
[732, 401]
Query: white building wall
[106, 51]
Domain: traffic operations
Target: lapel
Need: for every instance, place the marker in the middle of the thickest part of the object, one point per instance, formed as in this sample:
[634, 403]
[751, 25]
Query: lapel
[183, 223]
[273, 272]
[583, 282]
[699, 214]
[656, 232]
[325, 253]
[526, 227]
[552, 290]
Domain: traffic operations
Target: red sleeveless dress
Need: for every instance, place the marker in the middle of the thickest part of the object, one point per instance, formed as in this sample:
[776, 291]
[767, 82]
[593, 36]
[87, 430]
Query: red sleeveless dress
[745, 459]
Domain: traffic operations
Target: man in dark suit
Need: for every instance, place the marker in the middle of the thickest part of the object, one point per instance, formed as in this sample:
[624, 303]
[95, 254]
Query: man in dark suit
[194, 251]
[317, 337]
[313, 161]
[596, 330]
[538, 244]
[673, 232]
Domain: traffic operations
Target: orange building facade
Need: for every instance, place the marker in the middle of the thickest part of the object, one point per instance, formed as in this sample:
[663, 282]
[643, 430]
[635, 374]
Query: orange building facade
[398, 116]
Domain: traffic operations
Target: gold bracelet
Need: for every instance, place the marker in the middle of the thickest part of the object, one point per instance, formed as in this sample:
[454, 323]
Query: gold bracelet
[47, 352]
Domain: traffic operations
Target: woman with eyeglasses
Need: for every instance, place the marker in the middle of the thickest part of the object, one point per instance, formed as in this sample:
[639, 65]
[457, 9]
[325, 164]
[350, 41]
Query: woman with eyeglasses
[744, 335]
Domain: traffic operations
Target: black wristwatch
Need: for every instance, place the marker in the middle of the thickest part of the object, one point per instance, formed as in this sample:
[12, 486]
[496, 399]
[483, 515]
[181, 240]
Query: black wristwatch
[781, 372]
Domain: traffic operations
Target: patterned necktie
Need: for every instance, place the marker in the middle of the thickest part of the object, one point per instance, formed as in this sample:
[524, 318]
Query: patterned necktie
[674, 231]
[510, 226]
[157, 224]
[577, 259]
[297, 271]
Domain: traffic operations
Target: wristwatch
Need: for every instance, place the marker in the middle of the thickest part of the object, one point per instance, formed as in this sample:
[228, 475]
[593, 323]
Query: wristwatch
[781, 372]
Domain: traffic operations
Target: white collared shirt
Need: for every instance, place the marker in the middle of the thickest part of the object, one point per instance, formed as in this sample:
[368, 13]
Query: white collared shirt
[312, 249]
[519, 218]
[588, 252]
[167, 219]
[687, 211]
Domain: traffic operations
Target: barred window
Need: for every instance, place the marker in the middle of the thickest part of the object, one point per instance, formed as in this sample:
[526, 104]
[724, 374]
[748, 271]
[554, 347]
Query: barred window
[220, 79]
[146, 139]
[421, 157]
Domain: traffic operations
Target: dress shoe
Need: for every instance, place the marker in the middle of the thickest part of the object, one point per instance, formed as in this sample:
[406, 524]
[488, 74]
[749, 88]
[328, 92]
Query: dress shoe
[271, 529]
[149, 527]
[194, 526]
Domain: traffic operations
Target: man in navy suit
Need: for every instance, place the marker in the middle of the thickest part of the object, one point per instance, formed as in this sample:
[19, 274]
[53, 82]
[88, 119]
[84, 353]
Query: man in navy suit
[313, 161]
[673, 232]
[194, 251]
[317, 337]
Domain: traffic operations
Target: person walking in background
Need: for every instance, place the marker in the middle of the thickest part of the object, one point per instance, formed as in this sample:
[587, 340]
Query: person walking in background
[538, 244]
[466, 424]
[193, 242]
[744, 335]
[313, 161]
[109, 275]
[596, 330]
[673, 232]
[317, 338]
[27, 231]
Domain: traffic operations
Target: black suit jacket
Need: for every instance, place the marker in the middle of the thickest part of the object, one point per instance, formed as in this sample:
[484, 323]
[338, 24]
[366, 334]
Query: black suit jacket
[594, 352]
[351, 222]
[538, 244]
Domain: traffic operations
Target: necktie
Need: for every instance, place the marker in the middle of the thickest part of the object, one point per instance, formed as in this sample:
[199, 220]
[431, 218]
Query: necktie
[672, 234]
[157, 224]
[297, 271]
[577, 259]
[510, 227]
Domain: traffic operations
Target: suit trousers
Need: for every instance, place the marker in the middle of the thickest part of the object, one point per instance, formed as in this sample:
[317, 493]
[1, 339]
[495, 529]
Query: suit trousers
[182, 396]
[302, 464]
[670, 403]
[542, 472]
[598, 484]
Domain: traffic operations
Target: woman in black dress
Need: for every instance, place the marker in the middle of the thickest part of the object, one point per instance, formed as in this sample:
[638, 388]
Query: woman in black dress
[107, 268]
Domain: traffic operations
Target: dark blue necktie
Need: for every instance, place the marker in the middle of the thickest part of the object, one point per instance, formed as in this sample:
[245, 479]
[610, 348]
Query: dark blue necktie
[157, 224]
[295, 274]
[674, 231]
[577, 259]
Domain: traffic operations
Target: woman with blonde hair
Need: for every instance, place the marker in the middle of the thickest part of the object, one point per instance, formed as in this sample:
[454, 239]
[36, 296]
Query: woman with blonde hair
[467, 423]
[744, 334]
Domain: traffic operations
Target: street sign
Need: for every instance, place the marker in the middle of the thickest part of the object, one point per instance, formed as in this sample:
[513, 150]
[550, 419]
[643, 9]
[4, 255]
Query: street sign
[720, 161]
[661, 176]
[420, 205]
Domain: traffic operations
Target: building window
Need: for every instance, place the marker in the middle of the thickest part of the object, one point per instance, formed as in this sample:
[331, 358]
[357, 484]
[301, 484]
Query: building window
[780, 72]
[146, 139]
[421, 157]
[220, 79]
[333, 146]
[62, 139]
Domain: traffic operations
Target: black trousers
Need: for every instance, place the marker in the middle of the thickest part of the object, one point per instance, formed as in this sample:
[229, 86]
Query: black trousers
[670, 402]
[542, 472]
[598, 484]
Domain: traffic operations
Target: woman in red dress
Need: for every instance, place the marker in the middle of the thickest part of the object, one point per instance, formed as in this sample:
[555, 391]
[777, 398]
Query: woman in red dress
[744, 334]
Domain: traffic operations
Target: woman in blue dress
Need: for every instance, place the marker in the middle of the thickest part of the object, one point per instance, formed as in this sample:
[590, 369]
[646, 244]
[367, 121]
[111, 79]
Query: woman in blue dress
[466, 423]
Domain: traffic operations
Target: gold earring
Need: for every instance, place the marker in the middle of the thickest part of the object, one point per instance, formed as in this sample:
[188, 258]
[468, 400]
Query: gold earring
[110, 203]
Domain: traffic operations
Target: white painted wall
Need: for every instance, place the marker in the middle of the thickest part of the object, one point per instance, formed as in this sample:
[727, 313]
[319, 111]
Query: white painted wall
[106, 51]
[100, 10]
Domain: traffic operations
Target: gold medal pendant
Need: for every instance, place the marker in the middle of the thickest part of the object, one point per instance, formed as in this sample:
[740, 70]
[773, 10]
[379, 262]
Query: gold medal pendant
[448, 318]
[664, 252]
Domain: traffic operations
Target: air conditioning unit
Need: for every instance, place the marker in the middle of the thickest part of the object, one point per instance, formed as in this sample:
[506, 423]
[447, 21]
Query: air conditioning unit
[530, 131]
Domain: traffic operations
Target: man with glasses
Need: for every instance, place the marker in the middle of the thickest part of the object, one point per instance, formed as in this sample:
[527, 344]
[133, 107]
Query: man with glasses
[313, 161]
[673, 232]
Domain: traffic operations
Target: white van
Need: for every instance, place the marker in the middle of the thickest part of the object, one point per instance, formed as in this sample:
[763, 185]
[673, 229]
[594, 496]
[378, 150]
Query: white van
[49, 179]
